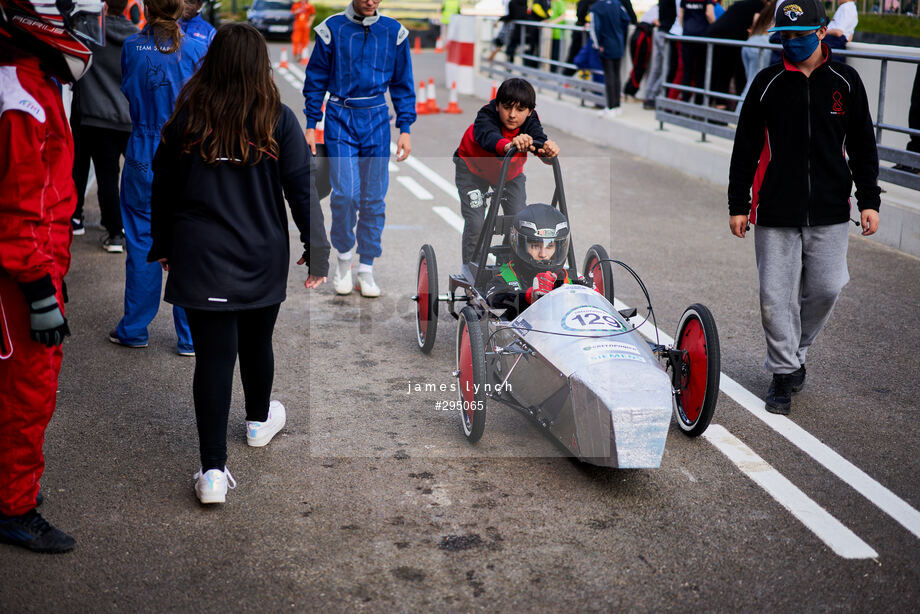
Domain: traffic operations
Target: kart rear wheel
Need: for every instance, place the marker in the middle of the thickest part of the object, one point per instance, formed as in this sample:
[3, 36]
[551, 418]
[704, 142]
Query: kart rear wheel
[426, 312]
[471, 374]
[598, 271]
[698, 390]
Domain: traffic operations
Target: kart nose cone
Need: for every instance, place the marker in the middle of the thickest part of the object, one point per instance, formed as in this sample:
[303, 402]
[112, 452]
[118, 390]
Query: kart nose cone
[622, 412]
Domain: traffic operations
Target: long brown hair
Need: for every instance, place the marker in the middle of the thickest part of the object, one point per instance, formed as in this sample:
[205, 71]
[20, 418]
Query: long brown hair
[232, 102]
[764, 18]
[162, 21]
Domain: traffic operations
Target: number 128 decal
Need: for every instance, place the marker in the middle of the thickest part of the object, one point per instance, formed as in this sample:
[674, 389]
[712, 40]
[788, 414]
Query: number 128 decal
[588, 319]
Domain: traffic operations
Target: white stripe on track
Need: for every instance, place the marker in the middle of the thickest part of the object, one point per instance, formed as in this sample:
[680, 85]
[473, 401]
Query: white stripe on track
[450, 217]
[432, 176]
[412, 185]
[828, 529]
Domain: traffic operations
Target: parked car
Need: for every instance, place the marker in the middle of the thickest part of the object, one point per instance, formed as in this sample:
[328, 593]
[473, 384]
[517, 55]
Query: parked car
[271, 17]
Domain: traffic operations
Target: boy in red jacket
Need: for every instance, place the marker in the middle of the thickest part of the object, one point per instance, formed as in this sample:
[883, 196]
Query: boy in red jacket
[506, 122]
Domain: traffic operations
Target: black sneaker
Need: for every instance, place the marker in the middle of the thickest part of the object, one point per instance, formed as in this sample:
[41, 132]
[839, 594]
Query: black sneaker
[797, 379]
[649, 105]
[114, 244]
[779, 395]
[76, 224]
[34, 533]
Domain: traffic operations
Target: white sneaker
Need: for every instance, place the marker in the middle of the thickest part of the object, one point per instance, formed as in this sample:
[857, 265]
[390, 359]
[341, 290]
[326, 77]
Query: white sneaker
[366, 285]
[259, 434]
[211, 486]
[342, 281]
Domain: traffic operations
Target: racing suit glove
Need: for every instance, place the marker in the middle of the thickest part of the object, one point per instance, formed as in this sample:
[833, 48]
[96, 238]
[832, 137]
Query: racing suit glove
[543, 283]
[46, 322]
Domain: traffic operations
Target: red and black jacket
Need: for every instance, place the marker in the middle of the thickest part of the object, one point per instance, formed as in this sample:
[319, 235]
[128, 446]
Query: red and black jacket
[789, 165]
[483, 145]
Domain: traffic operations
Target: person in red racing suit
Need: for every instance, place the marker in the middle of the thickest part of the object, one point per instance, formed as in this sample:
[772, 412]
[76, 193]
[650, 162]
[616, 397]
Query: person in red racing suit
[37, 196]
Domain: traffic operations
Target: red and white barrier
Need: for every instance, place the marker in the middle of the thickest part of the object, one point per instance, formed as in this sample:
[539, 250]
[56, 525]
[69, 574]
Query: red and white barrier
[461, 52]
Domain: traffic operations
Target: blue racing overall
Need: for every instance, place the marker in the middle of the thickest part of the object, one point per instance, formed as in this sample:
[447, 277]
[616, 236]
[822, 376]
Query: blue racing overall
[151, 81]
[197, 27]
[357, 59]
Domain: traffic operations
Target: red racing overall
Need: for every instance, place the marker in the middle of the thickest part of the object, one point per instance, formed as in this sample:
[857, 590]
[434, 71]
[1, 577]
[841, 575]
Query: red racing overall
[37, 196]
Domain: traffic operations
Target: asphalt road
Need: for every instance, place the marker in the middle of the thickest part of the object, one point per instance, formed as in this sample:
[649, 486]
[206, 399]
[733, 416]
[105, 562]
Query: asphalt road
[372, 499]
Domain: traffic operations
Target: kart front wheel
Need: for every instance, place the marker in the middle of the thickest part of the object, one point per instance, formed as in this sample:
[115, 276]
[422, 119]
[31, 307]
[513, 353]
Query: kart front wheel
[426, 299]
[471, 374]
[597, 269]
[697, 381]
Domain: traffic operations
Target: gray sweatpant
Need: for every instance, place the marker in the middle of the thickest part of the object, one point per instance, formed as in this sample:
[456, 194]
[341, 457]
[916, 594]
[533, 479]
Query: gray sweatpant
[802, 271]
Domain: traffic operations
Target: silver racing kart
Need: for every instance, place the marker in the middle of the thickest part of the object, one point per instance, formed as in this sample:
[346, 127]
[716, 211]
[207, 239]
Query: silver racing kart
[571, 361]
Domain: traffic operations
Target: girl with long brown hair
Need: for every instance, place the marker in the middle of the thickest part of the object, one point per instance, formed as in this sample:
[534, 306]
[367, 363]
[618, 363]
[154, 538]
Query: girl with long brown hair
[156, 62]
[231, 154]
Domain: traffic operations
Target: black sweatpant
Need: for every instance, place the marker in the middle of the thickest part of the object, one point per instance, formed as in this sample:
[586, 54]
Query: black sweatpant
[612, 81]
[104, 147]
[218, 337]
[472, 190]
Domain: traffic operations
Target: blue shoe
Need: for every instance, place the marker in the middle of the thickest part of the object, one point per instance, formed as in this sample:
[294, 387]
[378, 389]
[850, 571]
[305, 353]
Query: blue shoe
[34, 533]
[181, 351]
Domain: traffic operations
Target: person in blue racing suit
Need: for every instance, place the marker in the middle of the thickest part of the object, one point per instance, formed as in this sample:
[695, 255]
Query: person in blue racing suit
[357, 56]
[155, 63]
[194, 25]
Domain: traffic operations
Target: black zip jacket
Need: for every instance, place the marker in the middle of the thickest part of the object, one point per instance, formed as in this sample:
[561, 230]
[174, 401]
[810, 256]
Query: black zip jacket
[788, 166]
[224, 227]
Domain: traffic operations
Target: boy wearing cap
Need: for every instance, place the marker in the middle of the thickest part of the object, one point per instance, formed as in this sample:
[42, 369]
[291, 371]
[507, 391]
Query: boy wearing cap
[790, 177]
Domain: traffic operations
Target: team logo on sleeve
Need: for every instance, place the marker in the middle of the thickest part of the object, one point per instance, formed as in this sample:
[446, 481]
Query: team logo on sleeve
[793, 12]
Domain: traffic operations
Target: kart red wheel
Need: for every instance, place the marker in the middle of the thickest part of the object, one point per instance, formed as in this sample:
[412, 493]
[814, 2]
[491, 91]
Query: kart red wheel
[599, 271]
[471, 374]
[698, 381]
[426, 301]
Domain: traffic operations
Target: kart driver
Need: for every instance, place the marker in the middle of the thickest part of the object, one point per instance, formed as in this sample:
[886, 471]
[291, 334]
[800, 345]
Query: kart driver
[540, 244]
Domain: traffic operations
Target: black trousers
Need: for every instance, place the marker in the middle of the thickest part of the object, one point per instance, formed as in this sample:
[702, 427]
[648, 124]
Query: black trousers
[472, 190]
[220, 336]
[612, 81]
[104, 147]
[693, 56]
[913, 114]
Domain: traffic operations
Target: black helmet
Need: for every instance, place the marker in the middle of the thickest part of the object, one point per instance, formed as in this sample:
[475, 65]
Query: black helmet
[540, 225]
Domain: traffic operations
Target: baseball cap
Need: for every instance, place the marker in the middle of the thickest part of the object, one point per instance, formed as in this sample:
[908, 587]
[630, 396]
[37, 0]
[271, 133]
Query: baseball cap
[801, 15]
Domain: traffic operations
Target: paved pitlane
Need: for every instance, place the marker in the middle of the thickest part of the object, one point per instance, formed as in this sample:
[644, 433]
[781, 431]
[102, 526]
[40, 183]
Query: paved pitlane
[372, 499]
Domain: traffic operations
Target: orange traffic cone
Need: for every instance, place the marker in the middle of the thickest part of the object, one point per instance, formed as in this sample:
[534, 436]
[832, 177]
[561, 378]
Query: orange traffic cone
[421, 102]
[494, 90]
[439, 46]
[321, 127]
[452, 106]
[284, 58]
[432, 97]
[417, 45]
[304, 57]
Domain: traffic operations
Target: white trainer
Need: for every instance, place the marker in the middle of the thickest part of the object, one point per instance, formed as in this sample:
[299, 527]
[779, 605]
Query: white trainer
[259, 434]
[342, 281]
[211, 486]
[366, 285]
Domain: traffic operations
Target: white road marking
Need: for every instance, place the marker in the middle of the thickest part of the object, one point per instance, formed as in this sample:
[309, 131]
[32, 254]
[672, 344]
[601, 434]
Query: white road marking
[298, 72]
[828, 529]
[451, 217]
[391, 166]
[412, 185]
[432, 176]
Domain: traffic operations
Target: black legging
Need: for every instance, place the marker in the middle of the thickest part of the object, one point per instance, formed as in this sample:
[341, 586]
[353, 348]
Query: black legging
[219, 336]
[612, 81]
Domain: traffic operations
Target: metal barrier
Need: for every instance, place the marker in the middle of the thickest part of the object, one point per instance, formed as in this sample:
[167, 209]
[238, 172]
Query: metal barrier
[700, 117]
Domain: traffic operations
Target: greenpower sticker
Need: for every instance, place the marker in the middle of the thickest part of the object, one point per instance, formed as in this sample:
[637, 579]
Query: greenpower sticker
[590, 319]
